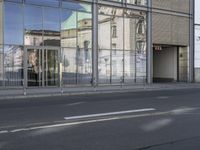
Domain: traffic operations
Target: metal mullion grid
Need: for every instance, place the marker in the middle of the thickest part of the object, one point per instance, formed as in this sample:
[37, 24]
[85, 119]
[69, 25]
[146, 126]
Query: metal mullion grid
[3, 20]
[42, 49]
[24, 53]
[77, 47]
[123, 74]
[135, 52]
[110, 50]
[60, 81]
[89, 3]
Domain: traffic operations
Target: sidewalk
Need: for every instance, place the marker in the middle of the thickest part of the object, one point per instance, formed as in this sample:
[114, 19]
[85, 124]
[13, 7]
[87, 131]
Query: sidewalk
[11, 93]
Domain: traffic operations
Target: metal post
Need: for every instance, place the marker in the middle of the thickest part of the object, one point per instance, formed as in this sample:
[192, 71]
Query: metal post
[24, 88]
[191, 44]
[149, 44]
[95, 44]
[25, 67]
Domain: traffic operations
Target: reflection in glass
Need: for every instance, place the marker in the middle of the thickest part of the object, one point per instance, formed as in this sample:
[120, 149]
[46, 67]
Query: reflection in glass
[34, 64]
[69, 28]
[117, 26]
[140, 67]
[137, 2]
[13, 66]
[51, 27]
[42, 67]
[1, 65]
[76, 66]
[54, 3]
[104, 68]
[125, 39]
[117, 66]
[77, 6]
[51, 67]
[130, 34]
[129, 66]
[13, 24]
[84, 21]
[69, 67]
[104, 32]
[84, 65]
[1, 23]
[33, 25]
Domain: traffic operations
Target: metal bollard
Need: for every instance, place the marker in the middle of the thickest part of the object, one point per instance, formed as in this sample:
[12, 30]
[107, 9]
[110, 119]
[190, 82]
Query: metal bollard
[94, 84]
[24, 88]
[121, 81]
[61, 88]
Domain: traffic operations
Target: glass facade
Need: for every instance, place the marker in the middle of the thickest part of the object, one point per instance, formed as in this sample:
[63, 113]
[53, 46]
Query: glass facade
[197, 41]
[50, 42]
[122, 45]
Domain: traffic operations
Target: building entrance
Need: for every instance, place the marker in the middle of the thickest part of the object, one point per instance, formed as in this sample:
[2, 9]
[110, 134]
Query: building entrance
[165, 63]
[42, 66]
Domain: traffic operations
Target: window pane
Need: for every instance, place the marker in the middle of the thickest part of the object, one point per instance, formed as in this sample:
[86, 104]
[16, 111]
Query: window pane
[76, 66]
[54, 3]
[77, 6]
[117, 66]
[104, 32]
[69, 29]
[140, 67]
[129, 33]
[84, 30]
[13, 66]
[33, 25]
[1, 23]
[137, 2]
[130, 65]
[84, 65]
[1, 65]
[69, 66]
[13, 24]
[117, 32]
[51, 27]
[104, 68]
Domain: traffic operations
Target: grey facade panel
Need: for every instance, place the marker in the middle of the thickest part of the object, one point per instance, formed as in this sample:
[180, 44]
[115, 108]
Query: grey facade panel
[174, 5]
[170, 30]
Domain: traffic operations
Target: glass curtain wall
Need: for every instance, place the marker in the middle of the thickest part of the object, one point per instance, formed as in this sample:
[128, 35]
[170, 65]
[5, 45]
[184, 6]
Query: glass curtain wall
[76, 42]
[13, 41]
[68, 25]
[122, 45]
[1, 43]
[135, 2]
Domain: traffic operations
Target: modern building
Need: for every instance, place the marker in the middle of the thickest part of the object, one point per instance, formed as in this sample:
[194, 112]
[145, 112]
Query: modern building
[92, 42]
[197, 41]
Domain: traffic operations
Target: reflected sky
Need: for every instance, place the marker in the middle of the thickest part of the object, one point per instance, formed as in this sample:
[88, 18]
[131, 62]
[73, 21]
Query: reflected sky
[40, 18]
[13, 25]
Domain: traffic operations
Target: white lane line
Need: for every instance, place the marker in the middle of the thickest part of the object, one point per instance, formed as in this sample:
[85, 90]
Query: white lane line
[162, 97]
[59, 125]
[87, 121]
[110, 113]
[78, 103]
[5, 131]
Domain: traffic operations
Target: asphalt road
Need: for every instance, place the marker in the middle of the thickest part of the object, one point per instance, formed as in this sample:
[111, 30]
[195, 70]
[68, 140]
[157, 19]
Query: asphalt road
[149, 120]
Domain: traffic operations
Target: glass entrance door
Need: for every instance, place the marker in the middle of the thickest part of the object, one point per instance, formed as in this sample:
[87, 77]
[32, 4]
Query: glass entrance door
[42, 67]
[50, 67]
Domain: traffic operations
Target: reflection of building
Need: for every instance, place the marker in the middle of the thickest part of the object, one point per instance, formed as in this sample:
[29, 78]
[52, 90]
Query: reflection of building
[51, 38]
[197, 41]
[66, 37]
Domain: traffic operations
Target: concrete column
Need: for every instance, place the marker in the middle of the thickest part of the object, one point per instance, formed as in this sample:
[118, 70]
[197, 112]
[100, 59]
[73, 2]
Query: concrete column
[149, 44]
[95, 43]
[191, 43]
